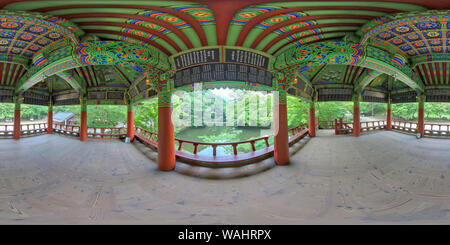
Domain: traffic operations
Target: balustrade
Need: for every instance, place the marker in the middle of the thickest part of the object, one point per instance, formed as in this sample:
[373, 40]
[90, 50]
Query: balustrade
[25, 129]
[106, 132]
[239, 153]
[66, 129]
[436, 129]
[432, 129]
[326, 124]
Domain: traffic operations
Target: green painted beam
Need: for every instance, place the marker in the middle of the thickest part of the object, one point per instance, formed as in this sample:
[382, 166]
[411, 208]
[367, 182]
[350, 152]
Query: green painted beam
[119, 29]
[430, 58]
[37, 75]
[381, 66]
[188, 31]
[168, 33]
[366, 78]
[326, 35]
[72, 79]
[255, 32]
[304, 78]
[270, 37]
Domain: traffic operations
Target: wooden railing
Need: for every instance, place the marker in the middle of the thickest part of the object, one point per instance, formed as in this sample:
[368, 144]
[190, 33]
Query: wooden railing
[237, 157]
[25, 129]
[431, 129]
[343, 128]
[66, 129]
[146, 136]
[92, 132]
[372, 125]
[326, 124]
[151, 138]
[436, 129]
[346, 128]
[233, 145]
[106, 133]
[6, 130]
[405, 126]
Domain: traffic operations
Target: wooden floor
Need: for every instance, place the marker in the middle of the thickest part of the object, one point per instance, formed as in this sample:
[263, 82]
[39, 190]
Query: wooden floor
[381, 177]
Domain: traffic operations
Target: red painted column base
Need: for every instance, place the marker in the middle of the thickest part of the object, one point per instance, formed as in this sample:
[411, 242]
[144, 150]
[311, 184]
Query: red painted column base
[421, 123]
[389, 119]
[130, 125]
[356, 122]
[50, 122]
[166, 139]
[312, 123]
[281, 139]
[83, 126]
[16, 132]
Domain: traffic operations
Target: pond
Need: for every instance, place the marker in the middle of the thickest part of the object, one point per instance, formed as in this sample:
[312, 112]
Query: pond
[225, 135]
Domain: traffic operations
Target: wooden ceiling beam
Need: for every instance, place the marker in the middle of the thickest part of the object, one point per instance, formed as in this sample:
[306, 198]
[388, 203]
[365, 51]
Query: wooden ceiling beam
[156, 45]
[292, 32]
[258, 19]
[136, 27]
[186, 17]
[166, 25]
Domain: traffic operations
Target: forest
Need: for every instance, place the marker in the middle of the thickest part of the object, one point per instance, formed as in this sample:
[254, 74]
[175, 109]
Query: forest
[146, 112]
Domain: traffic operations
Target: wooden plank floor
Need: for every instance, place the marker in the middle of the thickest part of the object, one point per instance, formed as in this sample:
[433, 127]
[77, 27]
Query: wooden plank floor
[380, 177]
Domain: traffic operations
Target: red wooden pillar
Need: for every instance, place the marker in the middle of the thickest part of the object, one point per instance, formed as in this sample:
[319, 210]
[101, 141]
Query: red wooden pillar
[312, 120]
[421, 121]
[16, 132]
[50, 119]
[83, 120]
[336, 126]
[389, 116]
[281, 136]
[166, 138]
[356, 119]
[130, 122]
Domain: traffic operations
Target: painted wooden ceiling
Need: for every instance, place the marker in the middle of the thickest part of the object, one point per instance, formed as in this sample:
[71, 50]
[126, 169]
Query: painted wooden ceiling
[174, 26]
[272, 27]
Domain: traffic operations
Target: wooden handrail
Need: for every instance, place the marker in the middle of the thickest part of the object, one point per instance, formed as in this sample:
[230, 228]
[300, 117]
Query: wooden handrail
[108, 132]
[25, 129]
[433, 129]
[92, 132]
[181, 142]
[344, 128]
[148, 137]
[326, 124]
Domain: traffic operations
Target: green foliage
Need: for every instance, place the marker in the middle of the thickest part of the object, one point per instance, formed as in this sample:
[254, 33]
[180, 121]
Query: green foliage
[298, 112]
[372, 109]
[106, 115]
[328, 111]
[98, 115]
[437, 111]
[33, 112]
[433, 111]
[146, 114]
[6, 111]
[405, 111]
[28, 112]
[227, 135]
[75, 109]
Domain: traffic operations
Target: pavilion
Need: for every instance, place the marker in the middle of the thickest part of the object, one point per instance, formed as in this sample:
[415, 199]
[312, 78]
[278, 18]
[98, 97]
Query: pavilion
[100, 52]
